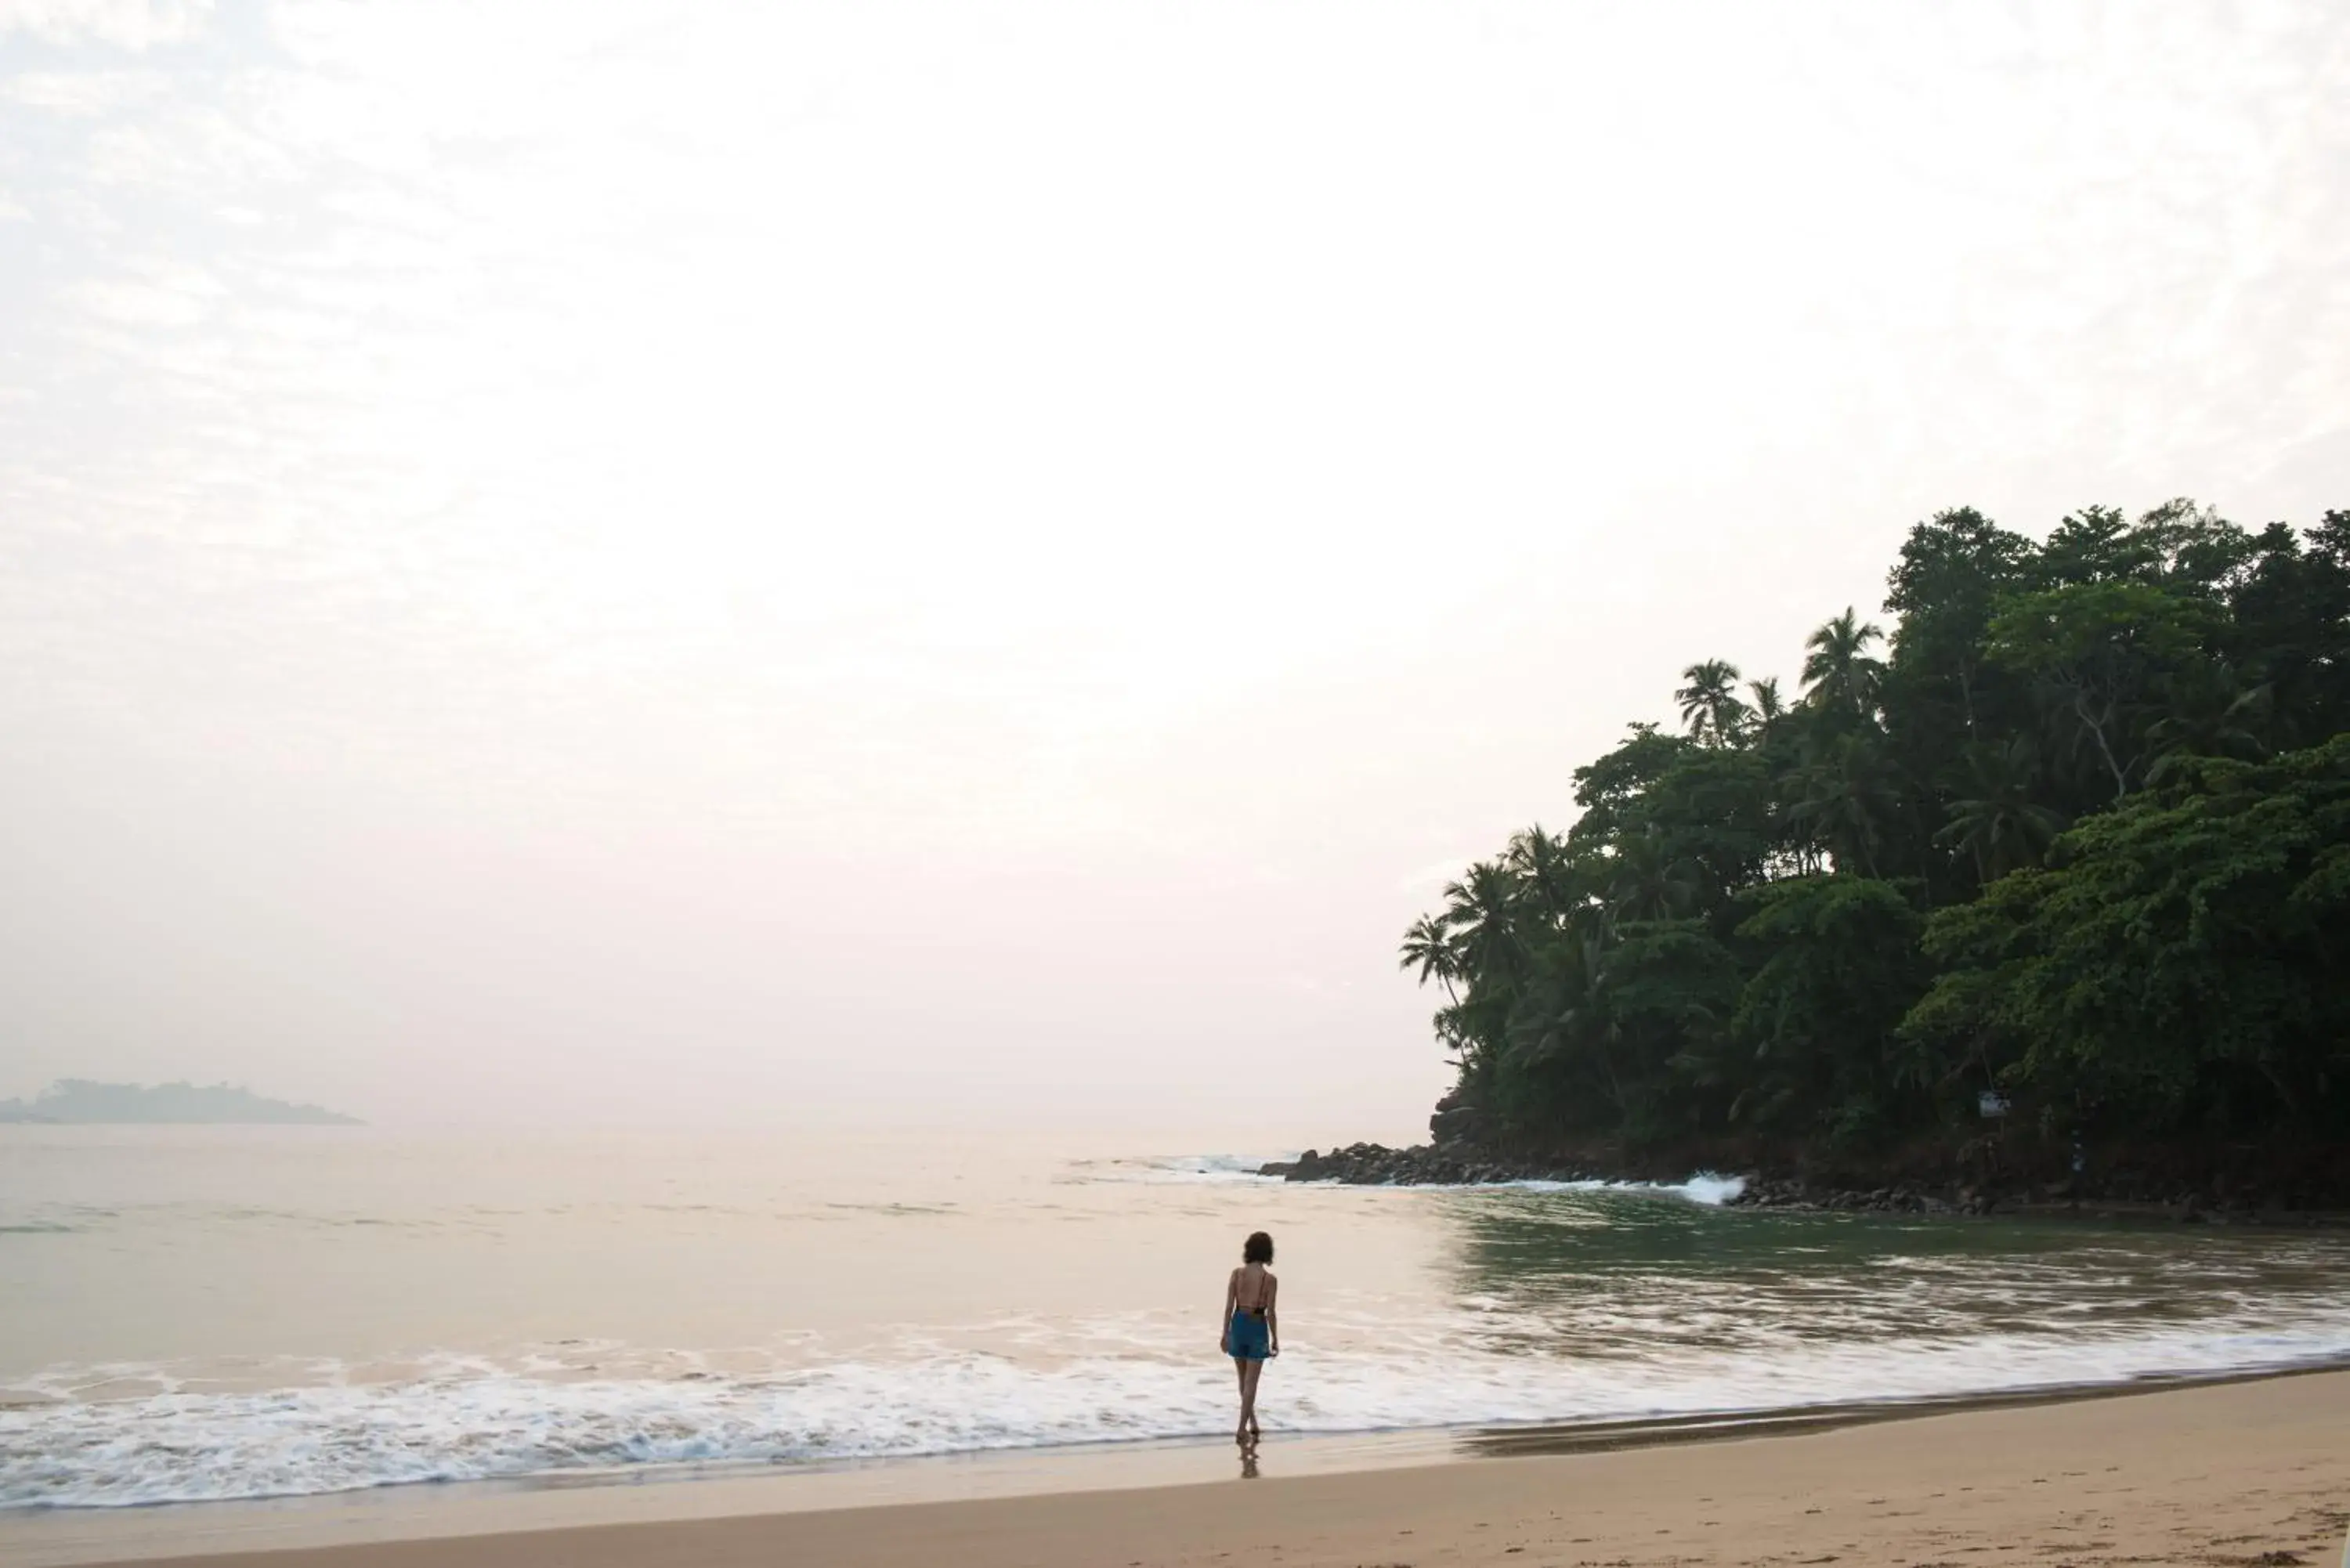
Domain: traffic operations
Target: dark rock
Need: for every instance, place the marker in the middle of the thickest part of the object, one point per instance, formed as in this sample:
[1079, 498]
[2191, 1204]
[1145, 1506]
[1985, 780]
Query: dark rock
[1455, 1121]
[1374, 1165]
[1307, 1167]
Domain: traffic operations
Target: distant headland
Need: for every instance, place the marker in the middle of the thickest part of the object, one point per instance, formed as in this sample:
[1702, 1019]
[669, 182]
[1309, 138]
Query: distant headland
[83, 1102]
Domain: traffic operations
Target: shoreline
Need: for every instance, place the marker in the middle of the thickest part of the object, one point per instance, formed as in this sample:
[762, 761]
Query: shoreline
[414, 1523]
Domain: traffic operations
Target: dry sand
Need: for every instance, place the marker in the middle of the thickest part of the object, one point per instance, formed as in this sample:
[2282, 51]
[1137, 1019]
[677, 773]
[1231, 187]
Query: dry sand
[2244, 1474]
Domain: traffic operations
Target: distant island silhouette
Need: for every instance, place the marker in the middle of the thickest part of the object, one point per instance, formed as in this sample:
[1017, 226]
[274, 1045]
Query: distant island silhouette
[85, 1102]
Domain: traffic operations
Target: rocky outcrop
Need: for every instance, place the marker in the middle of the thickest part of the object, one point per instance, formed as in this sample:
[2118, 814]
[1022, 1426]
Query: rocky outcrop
[1761, 1193]
[1456, 1120]
[1423, 1165]
[2294, 1187]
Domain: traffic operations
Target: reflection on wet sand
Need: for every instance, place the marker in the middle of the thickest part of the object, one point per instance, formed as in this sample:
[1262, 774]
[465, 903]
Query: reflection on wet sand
[1598, 1436]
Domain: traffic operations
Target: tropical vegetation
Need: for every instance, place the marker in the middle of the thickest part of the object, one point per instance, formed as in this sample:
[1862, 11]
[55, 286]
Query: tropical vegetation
[2066, 837]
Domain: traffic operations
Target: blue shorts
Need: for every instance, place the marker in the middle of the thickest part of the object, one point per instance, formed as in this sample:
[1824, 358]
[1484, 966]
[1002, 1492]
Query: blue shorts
[1252, 1338]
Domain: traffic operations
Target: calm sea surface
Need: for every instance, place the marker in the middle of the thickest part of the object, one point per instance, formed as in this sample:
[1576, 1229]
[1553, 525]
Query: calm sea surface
[218, 1313]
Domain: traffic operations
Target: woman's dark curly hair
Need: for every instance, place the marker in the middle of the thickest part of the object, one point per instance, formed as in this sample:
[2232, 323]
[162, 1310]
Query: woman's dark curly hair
[1257, 1249]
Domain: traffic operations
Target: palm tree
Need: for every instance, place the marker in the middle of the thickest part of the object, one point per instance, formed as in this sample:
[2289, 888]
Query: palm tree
[1710, 704]
[1429, 948]
[1651, 884]
[1481, 910]
[1538, 1031]
[1768, 705]
[1455, 1032]
[1840, 674]
[1566, 1019]
[1999, 826]
[1543, 867]
[1847, 800]
[2210, 716]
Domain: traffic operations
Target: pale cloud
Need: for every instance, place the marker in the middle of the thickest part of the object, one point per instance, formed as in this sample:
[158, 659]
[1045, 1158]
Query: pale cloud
[84, 93]
[164, 298]
[124, 24]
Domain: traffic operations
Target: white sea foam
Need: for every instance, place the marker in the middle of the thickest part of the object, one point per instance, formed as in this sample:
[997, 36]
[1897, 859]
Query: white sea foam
[470, 1422]
[1703, 1188]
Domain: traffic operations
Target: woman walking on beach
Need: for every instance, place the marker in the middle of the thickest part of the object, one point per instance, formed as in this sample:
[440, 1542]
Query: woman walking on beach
[1252, 1331]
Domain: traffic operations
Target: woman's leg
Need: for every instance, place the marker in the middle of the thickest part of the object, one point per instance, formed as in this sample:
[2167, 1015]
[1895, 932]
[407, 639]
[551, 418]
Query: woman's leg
[1241, 1366]
[1250, 1372]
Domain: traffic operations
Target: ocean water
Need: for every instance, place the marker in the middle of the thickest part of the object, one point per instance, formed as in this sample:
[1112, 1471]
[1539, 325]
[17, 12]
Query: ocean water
[198, 1314]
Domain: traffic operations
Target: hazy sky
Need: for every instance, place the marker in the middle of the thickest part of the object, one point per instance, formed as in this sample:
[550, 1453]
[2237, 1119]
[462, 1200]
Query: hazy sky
[632, 561]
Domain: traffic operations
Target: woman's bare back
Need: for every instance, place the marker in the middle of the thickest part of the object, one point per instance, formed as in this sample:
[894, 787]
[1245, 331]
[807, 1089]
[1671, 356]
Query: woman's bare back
[1253, 1288]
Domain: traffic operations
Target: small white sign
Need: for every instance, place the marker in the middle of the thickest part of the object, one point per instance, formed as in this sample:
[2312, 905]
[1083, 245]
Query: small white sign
[1992, 1103]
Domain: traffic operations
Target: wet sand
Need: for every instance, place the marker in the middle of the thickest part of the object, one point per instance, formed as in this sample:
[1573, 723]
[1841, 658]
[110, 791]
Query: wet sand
[2243, 1473]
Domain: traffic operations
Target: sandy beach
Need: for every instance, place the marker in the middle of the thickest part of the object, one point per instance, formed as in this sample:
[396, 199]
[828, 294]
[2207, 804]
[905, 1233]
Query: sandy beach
[2250, 1473]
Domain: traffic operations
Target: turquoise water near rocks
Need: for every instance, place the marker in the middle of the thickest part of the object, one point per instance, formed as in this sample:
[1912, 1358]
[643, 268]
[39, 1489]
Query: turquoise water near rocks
[194, 1314]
